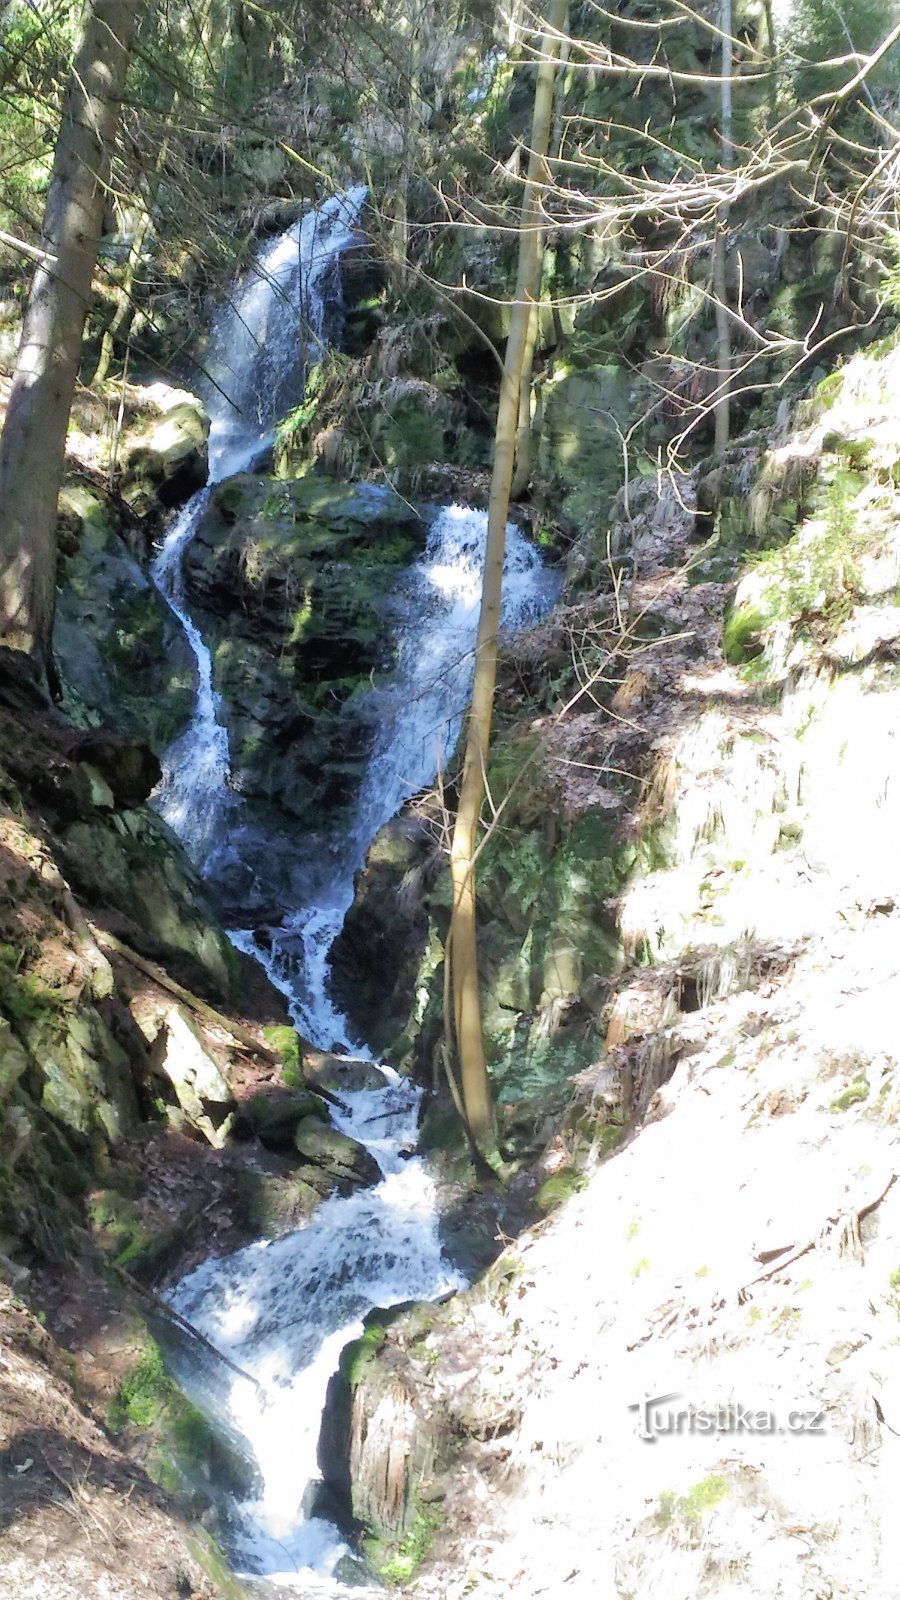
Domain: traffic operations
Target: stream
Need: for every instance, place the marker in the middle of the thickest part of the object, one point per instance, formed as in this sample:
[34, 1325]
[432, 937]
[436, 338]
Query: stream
[284, 1310]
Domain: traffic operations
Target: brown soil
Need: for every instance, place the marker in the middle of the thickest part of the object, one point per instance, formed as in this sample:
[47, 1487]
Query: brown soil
[78, 1519]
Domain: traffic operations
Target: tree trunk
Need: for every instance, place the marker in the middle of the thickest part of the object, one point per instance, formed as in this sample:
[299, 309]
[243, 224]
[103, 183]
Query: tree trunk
[463, 938]
[522, 473]
[720, 243]
[32, 447]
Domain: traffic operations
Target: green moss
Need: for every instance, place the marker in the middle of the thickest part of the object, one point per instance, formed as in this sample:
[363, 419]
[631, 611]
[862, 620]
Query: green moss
[857, 1091]
[144, 1391]
[703, 1497]
[413, 1547]
[609, 1137]
[556, 1190]
[22, 997]
[744, 634]
[211, 1558]
[356, 1356]
[285, 1042]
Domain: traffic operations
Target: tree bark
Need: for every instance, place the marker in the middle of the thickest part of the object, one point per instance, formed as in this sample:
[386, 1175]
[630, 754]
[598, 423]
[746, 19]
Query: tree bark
[522, 473]
[32, 446]
[463, 938]
[720, 244]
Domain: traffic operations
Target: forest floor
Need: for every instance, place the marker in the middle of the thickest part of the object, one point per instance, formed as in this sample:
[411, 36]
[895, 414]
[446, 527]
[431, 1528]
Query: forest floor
[79, 1519]
[740, 1252]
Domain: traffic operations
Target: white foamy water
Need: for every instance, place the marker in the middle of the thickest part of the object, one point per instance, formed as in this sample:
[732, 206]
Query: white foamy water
[284, 1311]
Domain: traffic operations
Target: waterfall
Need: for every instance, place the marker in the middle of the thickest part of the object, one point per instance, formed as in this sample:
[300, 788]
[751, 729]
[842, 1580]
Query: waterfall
[418, 714]
[261, 345]
[282, 1311]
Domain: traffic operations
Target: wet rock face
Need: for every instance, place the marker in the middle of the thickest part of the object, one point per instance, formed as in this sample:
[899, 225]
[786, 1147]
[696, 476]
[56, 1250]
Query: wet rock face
[377, 955]
[121, 653]
[163, 458]
[293, 581]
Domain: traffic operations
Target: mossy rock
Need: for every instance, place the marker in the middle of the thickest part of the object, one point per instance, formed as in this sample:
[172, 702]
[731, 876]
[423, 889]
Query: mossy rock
[121, 653]
[183, 1452]
[557, 1190]
[339, 1156]
[295, 579]
[580, 445]
[274, 1116]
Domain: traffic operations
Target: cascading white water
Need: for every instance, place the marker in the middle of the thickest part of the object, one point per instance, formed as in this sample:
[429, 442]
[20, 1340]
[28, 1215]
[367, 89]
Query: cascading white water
[418, 713]
[284, 1310]
[261, 344]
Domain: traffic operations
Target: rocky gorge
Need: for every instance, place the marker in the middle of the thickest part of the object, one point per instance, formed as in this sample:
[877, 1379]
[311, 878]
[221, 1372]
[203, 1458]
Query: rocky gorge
[223, 1268]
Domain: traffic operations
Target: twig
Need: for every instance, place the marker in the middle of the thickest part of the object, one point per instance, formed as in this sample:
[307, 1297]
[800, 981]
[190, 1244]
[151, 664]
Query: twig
[108, 941]
[188, 1328]
[832, 1222]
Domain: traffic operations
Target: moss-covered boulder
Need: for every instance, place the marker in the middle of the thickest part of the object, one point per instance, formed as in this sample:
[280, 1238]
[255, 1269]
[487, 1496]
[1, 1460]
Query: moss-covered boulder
[582, 415]
[131, 862]
[163, 455]
[121, 653]
[294, 580]
[274, 1117]
[345, 1161]
[377, 955]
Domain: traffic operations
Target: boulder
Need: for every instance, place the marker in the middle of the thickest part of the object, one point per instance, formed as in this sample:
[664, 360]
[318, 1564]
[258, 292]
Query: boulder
[341, 1074]
[274, 1117]
[163, 456]
[295, 579]
[179, 1055]
[128, 767]
[119, 649]
[130, 863]
[341, 1157]
[377, 955]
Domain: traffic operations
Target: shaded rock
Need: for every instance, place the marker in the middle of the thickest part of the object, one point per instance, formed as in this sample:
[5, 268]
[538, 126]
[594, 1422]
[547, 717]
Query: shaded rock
[339, 1155]
[376, 957]
[580, 444]
[13, 1059]
[273, 1117]
[119, 650]
[296, 579]
[20, 682]
[130, 861]
[128, 767]
[164, 456]
[353, 1573]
